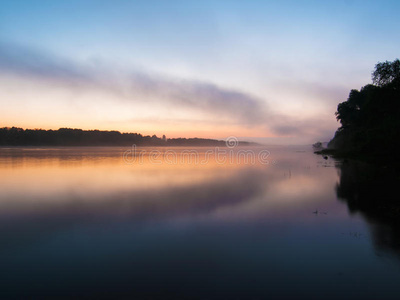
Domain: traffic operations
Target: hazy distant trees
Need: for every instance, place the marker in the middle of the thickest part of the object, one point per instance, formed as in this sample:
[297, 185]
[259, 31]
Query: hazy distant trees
[13, 136]
[370, 118]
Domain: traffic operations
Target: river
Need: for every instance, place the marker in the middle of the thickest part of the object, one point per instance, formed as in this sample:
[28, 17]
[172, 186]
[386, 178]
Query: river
[195, 223]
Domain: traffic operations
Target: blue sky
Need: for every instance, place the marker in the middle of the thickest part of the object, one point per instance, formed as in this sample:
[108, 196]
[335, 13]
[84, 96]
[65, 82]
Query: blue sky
[273, 69]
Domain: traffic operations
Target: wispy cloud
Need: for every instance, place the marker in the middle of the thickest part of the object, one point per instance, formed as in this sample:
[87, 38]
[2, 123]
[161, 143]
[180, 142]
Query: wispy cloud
[316, 127]
[33, 63]
[132, 85]
[136, 86]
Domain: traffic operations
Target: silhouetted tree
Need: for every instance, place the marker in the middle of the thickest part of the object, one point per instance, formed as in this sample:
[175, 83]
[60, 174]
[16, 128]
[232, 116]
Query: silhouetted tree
[77, 137]
[386, 73]
[370, 118]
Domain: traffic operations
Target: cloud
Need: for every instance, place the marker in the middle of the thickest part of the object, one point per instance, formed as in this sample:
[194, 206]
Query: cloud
[33, 63]
[243, 108]
[136, 86]
[132, 85]
[311, 129]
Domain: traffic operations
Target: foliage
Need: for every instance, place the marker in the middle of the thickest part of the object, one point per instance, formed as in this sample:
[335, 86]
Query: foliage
[370, 118]
[387, 73]
[77, 137]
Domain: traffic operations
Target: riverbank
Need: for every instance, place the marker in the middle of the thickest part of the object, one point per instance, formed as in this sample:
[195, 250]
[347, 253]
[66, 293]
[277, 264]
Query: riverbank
[384, 158]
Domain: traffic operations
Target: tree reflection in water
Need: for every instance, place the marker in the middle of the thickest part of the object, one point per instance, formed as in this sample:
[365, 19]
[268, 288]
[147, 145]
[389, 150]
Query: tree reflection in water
[372, 191]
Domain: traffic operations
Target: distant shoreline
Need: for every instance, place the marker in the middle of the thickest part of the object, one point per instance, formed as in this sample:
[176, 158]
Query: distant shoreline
[241, 144]
[71, 137]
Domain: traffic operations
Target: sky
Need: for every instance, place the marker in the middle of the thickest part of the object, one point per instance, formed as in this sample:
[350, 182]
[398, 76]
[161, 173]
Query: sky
[267, 71]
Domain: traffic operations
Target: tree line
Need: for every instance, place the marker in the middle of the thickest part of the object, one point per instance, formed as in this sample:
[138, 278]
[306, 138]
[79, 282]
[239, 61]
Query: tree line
[14, 136]
[370, 117]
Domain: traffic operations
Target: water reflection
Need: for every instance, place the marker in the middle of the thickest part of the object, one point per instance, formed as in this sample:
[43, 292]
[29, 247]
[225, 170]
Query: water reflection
[372, 191]
[81, 222]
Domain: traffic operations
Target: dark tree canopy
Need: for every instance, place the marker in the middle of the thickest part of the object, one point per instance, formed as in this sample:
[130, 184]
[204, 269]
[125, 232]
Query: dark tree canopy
[386, 73]
[370, 117]
[13, 136]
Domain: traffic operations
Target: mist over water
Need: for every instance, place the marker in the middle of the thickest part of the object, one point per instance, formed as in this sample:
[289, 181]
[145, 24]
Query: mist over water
[87, 222]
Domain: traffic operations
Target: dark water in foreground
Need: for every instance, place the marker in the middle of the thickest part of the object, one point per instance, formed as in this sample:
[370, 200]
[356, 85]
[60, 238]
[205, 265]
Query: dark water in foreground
[85, 222]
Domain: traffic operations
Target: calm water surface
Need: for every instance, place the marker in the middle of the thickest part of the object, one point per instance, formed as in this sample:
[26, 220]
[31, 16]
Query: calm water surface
[87, 222]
